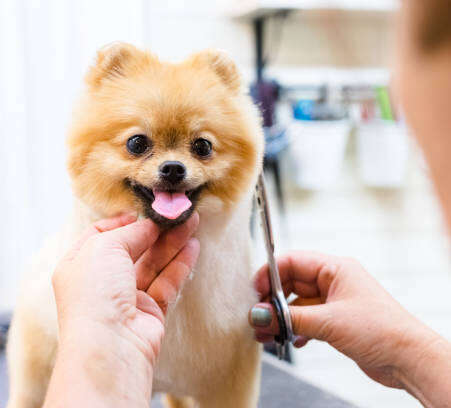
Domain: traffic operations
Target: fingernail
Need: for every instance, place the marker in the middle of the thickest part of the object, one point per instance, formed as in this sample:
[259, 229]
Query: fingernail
[260, 316]
[300, 341]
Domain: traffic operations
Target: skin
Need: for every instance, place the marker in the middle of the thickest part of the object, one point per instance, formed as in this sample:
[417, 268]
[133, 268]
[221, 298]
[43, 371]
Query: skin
[338, 301]
[116, 284]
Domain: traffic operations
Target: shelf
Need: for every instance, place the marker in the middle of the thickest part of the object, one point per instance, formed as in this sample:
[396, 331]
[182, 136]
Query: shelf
[251, 9]
[334, 77]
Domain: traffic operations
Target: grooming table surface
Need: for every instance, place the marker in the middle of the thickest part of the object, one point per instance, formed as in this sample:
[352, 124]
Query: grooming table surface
[280, 388]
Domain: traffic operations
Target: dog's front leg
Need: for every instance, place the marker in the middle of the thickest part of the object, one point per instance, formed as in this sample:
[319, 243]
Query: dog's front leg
[31, 352]
[174, 402]
[242, 386]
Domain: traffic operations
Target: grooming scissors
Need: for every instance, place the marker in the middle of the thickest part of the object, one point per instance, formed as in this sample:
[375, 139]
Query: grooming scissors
[277, 296]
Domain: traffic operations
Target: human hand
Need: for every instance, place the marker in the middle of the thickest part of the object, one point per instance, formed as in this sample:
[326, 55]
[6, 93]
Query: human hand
[112, 291]
[123, 275]
[340, 303]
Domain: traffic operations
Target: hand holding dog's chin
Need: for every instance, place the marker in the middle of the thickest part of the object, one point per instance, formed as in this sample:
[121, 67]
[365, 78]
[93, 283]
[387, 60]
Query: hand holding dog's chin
[110, 332]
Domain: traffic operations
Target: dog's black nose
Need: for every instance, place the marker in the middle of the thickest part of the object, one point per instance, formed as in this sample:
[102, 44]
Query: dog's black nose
[172, 171]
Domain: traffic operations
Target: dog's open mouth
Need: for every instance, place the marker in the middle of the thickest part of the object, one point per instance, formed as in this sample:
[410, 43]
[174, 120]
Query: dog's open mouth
[168, 204]
[166, 207]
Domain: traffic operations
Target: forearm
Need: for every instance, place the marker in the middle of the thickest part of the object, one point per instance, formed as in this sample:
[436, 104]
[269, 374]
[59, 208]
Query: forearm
[426, 370]
[99, 370]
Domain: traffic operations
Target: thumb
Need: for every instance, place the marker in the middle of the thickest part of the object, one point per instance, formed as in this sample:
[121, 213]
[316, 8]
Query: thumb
[311, 321]
[135, 238]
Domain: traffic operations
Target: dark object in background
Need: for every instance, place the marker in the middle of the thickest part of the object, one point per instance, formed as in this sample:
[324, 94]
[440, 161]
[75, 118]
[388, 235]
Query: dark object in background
[265, 94]
[4, 326]
[276, 142]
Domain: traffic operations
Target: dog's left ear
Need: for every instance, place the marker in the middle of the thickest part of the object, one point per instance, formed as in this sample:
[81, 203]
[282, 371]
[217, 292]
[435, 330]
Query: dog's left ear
[222, 64]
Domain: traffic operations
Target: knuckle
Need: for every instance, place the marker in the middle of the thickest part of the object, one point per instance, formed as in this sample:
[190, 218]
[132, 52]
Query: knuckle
[352, 262]
[327, 273]
[298, 320]
[58, 274]
[325, 330]
[350, 266]
[328, 270]
[295, 321]
[55, 278]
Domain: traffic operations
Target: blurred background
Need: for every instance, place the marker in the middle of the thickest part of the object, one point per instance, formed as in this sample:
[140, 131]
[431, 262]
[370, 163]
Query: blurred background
[344, 175]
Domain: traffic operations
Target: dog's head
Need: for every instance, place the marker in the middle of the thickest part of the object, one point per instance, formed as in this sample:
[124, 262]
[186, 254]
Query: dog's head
[163, 139]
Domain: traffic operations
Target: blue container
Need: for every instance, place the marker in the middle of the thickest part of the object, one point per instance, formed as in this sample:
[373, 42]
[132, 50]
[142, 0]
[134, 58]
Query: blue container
[303, 109]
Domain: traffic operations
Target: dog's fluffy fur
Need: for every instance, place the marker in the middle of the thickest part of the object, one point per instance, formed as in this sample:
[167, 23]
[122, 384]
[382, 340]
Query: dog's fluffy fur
[208, 352]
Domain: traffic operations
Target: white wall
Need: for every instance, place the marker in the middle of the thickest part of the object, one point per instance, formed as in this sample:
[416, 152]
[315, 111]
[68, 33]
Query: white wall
[45, 47]
[328, 38]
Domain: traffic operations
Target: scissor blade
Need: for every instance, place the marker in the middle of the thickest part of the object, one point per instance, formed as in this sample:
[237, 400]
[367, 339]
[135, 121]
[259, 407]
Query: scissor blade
[278, 296]
[280, 348]
[265, 217]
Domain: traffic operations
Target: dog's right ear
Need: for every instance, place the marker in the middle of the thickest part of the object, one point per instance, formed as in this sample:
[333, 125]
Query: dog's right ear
[113, 60]
[222, 64]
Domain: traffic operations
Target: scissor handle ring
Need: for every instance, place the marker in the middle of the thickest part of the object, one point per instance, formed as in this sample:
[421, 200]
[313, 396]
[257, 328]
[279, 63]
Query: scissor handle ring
[282, 337]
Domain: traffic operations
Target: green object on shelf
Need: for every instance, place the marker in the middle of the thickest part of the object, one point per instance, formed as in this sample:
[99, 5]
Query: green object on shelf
[383, 99]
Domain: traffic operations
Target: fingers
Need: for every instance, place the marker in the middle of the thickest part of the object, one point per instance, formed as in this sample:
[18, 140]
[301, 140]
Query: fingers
[264, 319]
[165, 288]
[299, 273]
[312, 321]
[100, 226]
[264, 338]
[300, 341]
[109, 224]
[148, 305]
[165, 248]
[307, 318]
[306, 302]
[135, 238]
[306, 290]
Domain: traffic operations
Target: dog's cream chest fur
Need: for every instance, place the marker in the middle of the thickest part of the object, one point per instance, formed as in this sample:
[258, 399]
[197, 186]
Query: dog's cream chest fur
[209, 321]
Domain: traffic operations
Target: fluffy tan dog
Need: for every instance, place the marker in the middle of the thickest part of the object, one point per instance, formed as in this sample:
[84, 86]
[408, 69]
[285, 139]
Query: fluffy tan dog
[163, 140]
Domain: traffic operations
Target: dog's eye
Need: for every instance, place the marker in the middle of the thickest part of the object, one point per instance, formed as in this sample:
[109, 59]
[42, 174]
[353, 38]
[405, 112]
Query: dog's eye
[202, 147]
[138, 144]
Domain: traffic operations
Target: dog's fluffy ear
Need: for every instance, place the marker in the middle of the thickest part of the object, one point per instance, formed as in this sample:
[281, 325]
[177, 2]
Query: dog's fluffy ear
[112, 61]
[222, 64]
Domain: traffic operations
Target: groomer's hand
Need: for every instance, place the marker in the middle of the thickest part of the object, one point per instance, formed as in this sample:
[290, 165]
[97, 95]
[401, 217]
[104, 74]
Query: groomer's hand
[340, 303]
[112, 291]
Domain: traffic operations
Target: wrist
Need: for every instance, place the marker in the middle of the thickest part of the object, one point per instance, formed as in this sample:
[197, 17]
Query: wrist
[425, 358]
[106, 362]
[81, 328]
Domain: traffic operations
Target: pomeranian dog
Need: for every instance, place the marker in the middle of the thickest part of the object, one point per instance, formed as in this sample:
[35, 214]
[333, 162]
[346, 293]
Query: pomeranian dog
[163, 140]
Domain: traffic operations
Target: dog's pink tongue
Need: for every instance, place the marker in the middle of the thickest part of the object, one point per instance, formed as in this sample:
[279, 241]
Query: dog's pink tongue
[170, 205]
